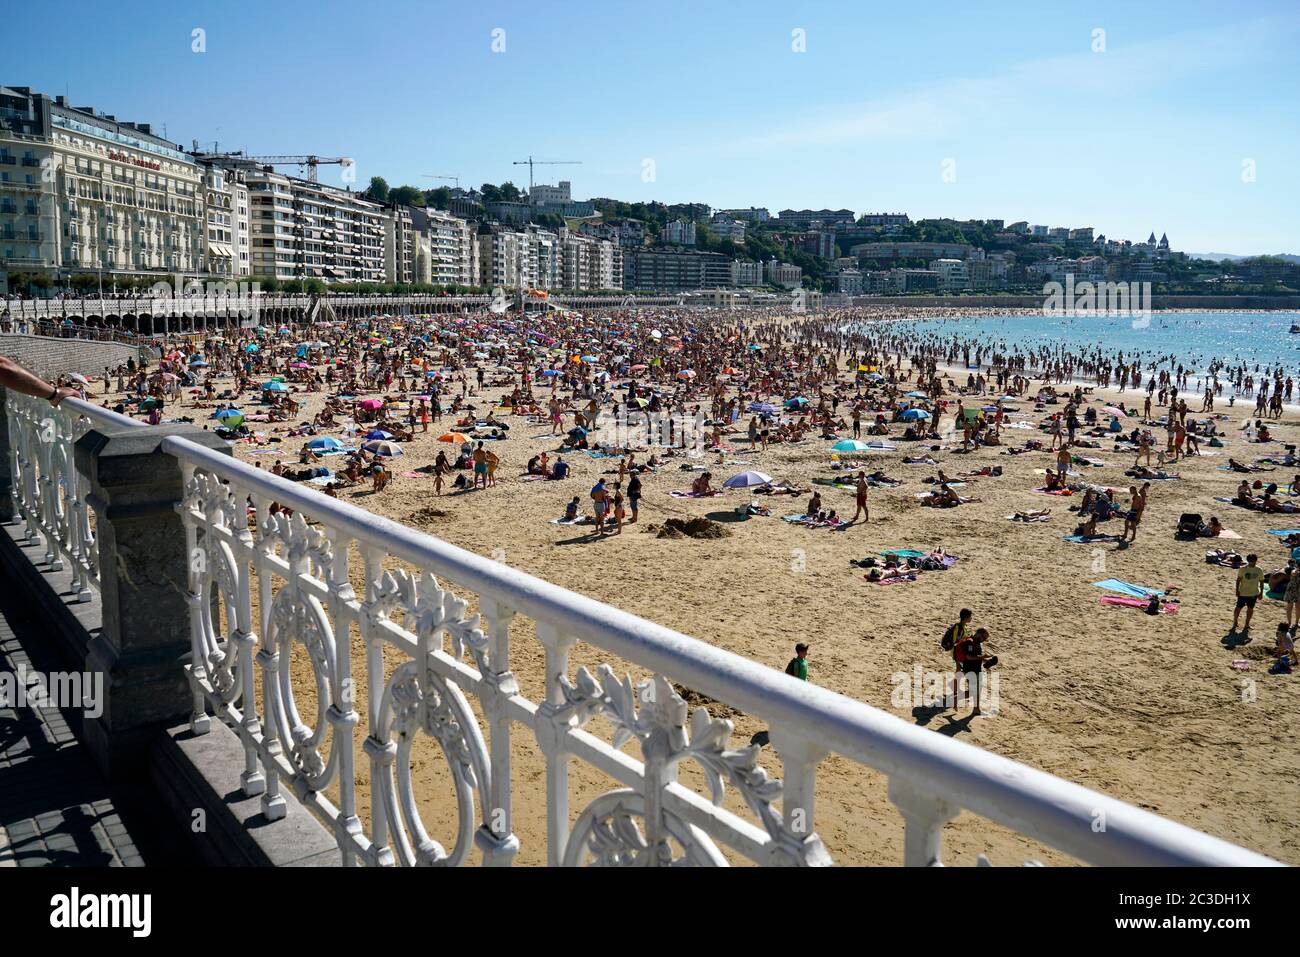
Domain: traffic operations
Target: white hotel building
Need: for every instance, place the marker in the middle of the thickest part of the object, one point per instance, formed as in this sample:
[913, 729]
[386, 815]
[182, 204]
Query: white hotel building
[82, 192]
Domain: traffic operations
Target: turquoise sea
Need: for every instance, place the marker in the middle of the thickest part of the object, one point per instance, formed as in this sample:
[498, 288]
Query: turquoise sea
[1194, 339]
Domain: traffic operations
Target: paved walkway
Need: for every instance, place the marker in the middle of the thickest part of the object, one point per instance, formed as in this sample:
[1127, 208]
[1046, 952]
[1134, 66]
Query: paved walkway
[55, 808]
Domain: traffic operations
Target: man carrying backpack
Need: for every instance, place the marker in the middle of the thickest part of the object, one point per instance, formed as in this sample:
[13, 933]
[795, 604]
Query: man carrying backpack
[798, 666]
[957, 631]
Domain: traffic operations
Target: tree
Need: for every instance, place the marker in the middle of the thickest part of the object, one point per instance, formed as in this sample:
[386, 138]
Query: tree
[378, 189]
[439, 198]
[406, 196]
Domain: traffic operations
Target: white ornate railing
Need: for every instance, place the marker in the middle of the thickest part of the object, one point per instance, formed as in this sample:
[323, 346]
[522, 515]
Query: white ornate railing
[286, 582]
[49, 493]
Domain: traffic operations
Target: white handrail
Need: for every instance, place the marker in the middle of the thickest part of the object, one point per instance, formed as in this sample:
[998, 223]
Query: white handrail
[932, 776]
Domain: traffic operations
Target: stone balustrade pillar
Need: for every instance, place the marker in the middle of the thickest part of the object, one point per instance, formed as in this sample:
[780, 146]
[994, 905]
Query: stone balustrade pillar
[145, 636]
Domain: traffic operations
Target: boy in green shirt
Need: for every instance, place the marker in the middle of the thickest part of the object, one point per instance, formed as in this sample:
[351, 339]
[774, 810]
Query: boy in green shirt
[798, 666]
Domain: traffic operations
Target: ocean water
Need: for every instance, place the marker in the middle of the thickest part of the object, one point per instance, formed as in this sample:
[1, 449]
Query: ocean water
[1260, 340]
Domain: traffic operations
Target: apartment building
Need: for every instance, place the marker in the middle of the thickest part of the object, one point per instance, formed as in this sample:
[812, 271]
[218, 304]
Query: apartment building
[679, 233]
[304, 230]
[754, 214]
[588, 263]
[917, 250]
[952, 273]
[401, 246]
[228, 250]
[782, 274]
[744, 273]
[810, 217]
[725, 228]
[83, 192]
[675, 270]
[448, 248]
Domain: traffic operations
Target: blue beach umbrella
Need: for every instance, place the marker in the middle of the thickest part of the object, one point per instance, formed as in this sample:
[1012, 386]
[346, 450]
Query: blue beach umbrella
[326, 443]
[912, 415]
[850, 445]
[748, 480]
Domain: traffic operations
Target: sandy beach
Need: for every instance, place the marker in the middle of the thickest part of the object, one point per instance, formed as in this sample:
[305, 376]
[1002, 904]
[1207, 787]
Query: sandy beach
[1148, 709]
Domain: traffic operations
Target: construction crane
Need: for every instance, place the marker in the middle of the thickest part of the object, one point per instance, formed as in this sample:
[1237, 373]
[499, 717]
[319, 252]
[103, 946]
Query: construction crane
[530, 163]
[310, 162]
[454, 179]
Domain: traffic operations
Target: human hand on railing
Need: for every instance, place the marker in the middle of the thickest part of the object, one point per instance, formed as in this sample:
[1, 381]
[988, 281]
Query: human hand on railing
[61, 393]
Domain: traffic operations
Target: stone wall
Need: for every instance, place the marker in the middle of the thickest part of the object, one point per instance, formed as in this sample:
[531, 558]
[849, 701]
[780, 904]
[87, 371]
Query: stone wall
[49, 357]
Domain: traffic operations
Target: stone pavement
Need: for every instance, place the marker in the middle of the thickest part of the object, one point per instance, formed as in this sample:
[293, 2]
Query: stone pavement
[55, 808]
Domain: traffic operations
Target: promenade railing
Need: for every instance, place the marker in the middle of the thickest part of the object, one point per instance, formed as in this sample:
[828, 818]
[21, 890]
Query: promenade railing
[49, 493]
[265, 586]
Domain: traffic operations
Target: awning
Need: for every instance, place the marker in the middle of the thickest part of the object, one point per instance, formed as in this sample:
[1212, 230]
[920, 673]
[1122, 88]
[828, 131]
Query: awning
[220, 249]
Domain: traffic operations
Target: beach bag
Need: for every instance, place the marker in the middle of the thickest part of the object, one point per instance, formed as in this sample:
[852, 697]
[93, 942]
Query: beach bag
[792, 669]
[949, 638]
[1153, 606]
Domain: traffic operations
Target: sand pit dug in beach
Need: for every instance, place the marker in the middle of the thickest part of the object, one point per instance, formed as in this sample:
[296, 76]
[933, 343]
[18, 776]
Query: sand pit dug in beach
[689, 528]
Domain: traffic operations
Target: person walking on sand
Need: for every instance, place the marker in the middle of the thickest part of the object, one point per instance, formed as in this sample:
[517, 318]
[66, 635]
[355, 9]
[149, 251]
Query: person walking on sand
[972, 661]
[1250, 585]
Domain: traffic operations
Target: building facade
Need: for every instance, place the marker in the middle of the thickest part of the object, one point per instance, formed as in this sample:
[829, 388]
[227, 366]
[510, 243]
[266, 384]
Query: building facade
[82, 192]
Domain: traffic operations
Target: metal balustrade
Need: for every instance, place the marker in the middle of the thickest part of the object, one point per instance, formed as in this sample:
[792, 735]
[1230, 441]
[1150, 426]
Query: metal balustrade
[49, 493]
[286, 584]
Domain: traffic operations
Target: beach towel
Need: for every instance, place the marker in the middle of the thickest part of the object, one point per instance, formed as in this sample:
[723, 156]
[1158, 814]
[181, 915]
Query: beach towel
[905, 553]
[1126, 588]
[1090, 539]
[1023, 517]
[675, 493]
[580, 520]
[321, 480]
[532, 478]
[1225, 533]
[1046, 491]
[1284, 532]
[1165, 608]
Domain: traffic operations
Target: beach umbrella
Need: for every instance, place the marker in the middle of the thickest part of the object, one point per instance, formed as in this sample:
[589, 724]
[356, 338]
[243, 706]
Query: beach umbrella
[588, 359]
[230, 418]
[252, 347]
[1114, 410]
[686, 374]
[326, 443]
[372, 403]
[274, 386]
[798, 402]
[300, 365]
[551, 372]
[748, 480]
[917, 394]
[383, 448]
[875, 376]
[454, 437]
[766, 407]
[639, 367]
[378, 434]
[850, 445]
[197, 364]
[911, 415]
[577, 432]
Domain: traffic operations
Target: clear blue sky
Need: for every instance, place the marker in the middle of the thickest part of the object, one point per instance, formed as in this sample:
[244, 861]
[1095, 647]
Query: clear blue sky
[1150, 134]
